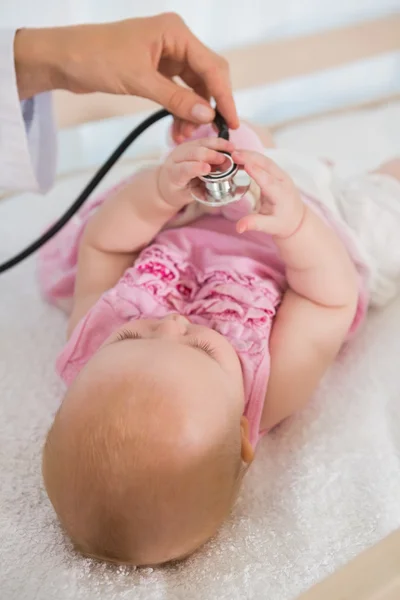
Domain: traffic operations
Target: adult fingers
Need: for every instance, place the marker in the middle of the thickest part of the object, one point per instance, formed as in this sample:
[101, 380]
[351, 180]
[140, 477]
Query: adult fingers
[180, 101]
[213, 70]
[198, 86]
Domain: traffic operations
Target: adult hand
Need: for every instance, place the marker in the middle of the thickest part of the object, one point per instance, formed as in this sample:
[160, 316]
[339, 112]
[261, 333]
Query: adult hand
[139, 57]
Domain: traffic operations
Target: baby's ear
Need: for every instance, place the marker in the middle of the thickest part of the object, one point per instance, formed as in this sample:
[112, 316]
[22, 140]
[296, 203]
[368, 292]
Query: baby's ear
[247, 448]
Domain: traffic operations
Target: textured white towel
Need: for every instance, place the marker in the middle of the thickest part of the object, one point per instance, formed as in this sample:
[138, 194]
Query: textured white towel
[324, 486]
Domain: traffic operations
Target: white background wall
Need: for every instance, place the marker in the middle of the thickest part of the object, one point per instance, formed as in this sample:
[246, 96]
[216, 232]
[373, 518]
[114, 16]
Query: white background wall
[219, 23]
[223, 24]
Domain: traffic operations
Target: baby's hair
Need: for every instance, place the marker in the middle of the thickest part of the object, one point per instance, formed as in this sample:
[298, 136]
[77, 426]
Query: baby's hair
[117, 502]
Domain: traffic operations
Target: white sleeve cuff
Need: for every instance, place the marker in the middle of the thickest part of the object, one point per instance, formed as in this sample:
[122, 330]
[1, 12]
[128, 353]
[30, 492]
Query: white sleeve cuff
[27, 130]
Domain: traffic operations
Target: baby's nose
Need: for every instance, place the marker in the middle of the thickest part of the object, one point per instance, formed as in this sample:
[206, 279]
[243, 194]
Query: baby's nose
[172, 325]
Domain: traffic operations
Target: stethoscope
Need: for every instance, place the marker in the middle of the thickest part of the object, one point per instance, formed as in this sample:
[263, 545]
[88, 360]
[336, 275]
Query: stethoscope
[223, 186]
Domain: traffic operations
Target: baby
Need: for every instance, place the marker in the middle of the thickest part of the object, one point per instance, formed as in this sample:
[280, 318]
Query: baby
[193, 334]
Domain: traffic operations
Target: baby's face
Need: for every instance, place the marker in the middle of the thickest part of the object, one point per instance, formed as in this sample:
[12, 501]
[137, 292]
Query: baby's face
[200, 351]
[144, 458]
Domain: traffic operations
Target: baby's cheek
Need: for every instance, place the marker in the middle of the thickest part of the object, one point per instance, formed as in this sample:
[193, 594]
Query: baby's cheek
[234, 373]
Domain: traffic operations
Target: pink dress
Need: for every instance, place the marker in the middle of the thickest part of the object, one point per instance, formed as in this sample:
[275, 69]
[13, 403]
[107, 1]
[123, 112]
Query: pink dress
[205, 271]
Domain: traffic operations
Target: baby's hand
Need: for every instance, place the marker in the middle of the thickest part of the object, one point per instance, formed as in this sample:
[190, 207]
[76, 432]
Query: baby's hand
[186, 162]
[281, 208]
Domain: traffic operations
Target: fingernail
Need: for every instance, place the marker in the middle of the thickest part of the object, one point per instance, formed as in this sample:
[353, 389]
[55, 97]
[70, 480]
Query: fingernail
[202, 113]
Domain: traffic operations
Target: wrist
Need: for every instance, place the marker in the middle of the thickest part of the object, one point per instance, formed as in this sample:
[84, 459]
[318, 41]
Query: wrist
[312, 244]
[153, 209]
[172, 199]
[36, 61]
[296, 227]
[299, 250]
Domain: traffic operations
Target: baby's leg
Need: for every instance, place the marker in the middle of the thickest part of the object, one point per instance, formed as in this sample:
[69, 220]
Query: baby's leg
[370, 204]
[391, 167]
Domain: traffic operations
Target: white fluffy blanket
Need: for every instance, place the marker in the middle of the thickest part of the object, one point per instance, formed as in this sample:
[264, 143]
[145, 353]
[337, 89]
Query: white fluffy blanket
[324, 486]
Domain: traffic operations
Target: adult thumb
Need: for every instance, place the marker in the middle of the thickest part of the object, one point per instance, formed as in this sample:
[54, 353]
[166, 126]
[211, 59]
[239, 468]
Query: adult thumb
[180, 101]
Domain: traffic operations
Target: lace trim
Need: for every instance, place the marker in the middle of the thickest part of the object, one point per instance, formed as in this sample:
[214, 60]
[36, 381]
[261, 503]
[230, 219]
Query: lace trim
[217, 298]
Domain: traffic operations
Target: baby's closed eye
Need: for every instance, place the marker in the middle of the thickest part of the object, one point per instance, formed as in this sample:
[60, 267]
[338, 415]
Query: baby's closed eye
[204, 346]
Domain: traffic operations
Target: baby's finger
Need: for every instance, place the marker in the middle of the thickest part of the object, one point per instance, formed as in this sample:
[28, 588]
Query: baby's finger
[264, 180]
[202, 154]
[249, 158]
[188, 129]
[176, 131]
[182, 130]
[215, 143]
[256, 222]
[186, 171]
[185, 151]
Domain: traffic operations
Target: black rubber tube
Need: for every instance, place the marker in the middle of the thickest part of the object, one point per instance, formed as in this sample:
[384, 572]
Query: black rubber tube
[94, 182]
[84, 195]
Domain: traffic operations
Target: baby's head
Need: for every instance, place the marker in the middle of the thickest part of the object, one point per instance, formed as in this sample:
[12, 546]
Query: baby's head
[146, 454]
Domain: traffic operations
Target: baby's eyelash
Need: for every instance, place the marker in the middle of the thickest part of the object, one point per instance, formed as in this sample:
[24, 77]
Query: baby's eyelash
[204, 346]
[126, 334]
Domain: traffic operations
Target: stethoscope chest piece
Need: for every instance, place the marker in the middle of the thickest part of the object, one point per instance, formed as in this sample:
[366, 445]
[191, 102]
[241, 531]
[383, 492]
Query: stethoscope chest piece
[226, 184]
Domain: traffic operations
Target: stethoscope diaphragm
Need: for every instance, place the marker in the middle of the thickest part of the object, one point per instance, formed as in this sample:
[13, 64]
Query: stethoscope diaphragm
[226, 184]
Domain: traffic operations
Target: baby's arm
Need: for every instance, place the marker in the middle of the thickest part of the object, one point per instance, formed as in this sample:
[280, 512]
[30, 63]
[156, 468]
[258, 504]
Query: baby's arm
[132, 217]
[313, 319]
[317, 311]
[305, 340]
[123, 225]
